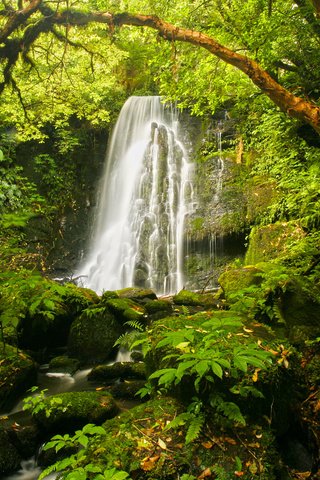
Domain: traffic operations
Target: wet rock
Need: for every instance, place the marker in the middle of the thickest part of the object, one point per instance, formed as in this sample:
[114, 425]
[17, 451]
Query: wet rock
[64, 364]
[18, 372]
[9, 457]
[140, 295]
[119, 370]
[71, 410]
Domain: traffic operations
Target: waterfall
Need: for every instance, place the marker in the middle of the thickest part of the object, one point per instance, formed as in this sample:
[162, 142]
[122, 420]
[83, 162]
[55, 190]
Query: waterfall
[145, 197]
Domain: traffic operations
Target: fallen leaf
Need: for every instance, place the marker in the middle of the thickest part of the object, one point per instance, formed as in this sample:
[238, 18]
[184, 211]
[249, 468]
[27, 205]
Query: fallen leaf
[238, 474]
[229, 440]
[99, 388]
[254, 445]
[205, 473]
[207, 444]
[248, 330]
[162, 444]
[255, 375]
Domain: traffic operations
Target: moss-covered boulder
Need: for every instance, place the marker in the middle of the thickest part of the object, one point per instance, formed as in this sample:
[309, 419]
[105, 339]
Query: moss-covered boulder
[50, 312]
[64, 364]
[71, 410]
[300, 306]
[93, 334]
[127, 390]
[126, 310]
[119, 370]
[18, 372]
[272, 241]
[157, 309]
[9, 457]
[140, 295]
[237, 279]
[185, 297]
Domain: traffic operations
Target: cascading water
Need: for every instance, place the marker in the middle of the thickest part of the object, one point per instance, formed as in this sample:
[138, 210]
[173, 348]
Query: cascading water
[146, 195]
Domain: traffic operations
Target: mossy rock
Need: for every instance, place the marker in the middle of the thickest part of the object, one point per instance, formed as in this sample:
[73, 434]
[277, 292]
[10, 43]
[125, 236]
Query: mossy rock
[300, 307]
[270, 242]
[119, 370]
[127, 390]
[71, 410]
[48, 324]
[78, 299]
[108, 294]
[138, 442]
[93, 334]
[64, 364]
[185, 297]
[140, 295]
[237, 279]
[157, 309]
[9, 457]
[18, 372]
[126, 310]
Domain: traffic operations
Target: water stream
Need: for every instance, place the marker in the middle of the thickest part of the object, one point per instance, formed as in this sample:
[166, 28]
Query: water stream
[145, 197]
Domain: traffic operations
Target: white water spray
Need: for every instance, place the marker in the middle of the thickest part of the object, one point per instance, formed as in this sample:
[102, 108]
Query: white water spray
[146, 195]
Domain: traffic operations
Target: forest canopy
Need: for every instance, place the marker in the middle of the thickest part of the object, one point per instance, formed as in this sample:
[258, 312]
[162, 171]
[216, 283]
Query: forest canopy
[61, 60]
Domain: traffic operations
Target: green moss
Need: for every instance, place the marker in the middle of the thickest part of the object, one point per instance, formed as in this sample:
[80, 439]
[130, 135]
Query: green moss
[238, 279]
[93, 334]
[121, 370]
[64, 364]
[70, 410]
[271, 241]
[107, 295]
[185, 297]
[17, 374]
[137, 294]
[126, 310]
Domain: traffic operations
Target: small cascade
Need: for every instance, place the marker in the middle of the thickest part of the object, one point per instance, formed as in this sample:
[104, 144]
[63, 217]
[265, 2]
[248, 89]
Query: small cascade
[146, 195]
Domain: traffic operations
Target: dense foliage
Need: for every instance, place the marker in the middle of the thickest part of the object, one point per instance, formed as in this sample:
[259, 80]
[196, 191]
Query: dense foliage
[63, 80]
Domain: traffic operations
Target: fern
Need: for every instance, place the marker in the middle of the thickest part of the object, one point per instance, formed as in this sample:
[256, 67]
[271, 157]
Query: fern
[194, 428]
[136, 325]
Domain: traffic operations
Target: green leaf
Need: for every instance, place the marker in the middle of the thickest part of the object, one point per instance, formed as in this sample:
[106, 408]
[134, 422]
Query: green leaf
[216, 369]
[240, 363]
[202, 367]
[83, 440]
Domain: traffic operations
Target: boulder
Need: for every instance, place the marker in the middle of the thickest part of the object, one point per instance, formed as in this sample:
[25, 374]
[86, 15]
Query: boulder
[140, 295]
[9, 457]
[126, 310]
[48, 318]
[70, 410]
[272, 241]
[18, 372]
[157, 309]
[185, 297]
[64, 364]
[119, 370]
[239, 279]
[93, 334]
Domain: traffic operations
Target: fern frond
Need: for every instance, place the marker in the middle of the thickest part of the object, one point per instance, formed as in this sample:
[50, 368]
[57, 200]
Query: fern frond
[135, 324]
[194, 428]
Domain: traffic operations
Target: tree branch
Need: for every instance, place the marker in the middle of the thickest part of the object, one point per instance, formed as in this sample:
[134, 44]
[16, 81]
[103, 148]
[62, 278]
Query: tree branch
[18, 18]
[294, 106]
